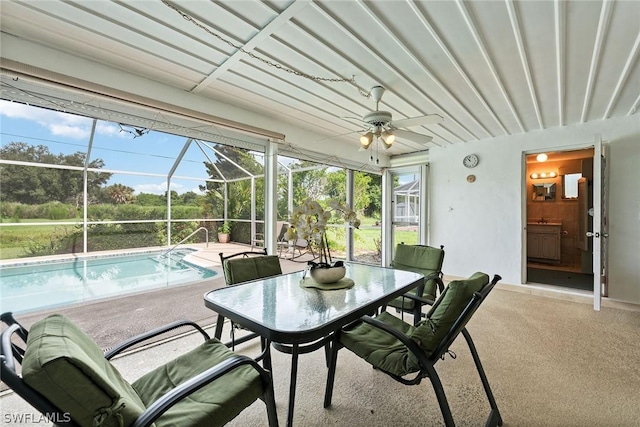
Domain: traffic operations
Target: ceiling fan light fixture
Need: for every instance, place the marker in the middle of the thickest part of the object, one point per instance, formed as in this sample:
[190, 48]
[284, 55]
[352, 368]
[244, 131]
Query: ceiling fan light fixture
[366, 140]
[388, 137]
[386, 144]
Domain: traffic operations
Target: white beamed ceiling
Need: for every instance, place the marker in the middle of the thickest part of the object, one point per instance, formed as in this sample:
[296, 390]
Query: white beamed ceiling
[490, 68]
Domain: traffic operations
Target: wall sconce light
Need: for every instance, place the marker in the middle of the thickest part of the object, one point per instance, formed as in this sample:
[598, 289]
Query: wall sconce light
[543, 175]
[542, 157]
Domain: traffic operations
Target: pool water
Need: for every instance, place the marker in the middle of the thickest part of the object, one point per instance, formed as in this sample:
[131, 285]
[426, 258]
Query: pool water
[35, 286]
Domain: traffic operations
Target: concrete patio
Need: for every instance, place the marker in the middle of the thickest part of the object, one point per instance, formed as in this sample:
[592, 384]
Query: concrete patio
[549, 362]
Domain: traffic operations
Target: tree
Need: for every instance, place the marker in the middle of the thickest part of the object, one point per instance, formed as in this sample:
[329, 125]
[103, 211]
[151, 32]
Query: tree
[120, 194]
[35, 185]
[239, 192]
[149, 199]
[190, 198]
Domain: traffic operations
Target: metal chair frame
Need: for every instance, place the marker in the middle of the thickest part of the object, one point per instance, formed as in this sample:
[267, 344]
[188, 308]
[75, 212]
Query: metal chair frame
[219, 324]
[13, 345]
[427, 362]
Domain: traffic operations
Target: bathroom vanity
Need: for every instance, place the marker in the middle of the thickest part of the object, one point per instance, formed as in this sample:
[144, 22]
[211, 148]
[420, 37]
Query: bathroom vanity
[543, 242]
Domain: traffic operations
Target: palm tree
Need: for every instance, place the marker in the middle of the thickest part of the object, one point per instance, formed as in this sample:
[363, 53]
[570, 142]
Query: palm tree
[120, 194]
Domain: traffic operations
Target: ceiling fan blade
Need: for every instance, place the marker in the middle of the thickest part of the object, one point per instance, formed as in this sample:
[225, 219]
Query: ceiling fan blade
[339, 135]
[429, 119]
[355, 120]
[412, 136]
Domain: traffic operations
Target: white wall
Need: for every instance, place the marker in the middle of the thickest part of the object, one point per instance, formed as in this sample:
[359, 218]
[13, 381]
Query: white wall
[481, 224]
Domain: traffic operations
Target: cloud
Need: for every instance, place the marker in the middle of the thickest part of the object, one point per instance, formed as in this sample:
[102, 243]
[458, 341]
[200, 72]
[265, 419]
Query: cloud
[109, 129]
[150, 188]
[161, 187]
[59, 124]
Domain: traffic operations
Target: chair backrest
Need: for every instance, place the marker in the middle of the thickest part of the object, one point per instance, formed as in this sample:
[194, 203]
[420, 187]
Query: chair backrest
[282, 228]
[247, 266]
[12, 349]
[451, 312]
[65, 375]
[422, 259]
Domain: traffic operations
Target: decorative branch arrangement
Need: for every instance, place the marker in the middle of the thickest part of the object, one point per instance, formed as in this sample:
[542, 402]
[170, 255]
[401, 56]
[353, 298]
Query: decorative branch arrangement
[309, 221]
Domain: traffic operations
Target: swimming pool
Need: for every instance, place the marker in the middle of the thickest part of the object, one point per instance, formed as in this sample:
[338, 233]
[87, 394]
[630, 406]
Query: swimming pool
[35, 286]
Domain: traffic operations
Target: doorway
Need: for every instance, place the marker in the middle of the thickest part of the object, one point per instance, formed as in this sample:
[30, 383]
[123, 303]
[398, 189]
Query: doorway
[406, 221]
[559, 196]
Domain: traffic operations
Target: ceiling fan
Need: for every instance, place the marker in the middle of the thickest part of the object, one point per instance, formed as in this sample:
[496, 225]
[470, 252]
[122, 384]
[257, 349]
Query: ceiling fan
[381, 126]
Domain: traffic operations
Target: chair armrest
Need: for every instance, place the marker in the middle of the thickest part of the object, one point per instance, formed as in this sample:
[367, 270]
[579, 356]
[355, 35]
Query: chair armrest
[110, 353]
[164, 403]
[420, 289]
[411, 345]
[419, 299]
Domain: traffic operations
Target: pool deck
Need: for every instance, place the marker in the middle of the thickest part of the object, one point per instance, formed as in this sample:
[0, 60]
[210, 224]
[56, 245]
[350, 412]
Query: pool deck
[112, 320]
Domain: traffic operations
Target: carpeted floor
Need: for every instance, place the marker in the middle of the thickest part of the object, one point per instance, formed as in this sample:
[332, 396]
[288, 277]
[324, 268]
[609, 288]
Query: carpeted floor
[550, 363]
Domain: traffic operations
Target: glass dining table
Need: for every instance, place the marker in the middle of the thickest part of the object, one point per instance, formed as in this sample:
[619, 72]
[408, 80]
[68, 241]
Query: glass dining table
[296, 319]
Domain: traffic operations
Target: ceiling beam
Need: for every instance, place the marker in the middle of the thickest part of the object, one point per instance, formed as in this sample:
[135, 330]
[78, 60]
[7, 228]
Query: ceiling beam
[262, 35]
[560, 16]
[522, 50]
[422, 66]
[485, 54]
[603, 24]
[623, 76]
[443, 46]
[392, 69]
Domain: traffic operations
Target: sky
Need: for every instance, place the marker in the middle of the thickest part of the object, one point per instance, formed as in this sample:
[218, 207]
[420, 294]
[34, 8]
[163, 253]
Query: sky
[153, 153]
[117, 145]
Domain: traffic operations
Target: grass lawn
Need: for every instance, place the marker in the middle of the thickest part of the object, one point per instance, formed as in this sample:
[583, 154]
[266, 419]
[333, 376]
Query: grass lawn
[365, 237]
[15, 239]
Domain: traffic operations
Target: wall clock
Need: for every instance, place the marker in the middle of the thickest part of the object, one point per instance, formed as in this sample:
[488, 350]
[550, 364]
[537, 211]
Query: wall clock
[471, 161]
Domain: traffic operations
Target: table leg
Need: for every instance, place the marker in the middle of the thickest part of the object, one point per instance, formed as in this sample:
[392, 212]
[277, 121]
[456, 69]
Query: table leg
[219, 325]
[292, 386]
[266, 348]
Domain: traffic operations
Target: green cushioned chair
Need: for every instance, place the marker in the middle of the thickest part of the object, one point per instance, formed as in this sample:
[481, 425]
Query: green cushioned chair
[244, 267]
[425, 260]
[67, 377]
[409, 352]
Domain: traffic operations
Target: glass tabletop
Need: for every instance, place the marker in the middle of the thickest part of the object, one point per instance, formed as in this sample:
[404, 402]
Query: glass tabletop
[283, 311]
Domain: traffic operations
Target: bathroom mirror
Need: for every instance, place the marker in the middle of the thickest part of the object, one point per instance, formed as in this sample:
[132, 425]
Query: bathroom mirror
[544, 191]
[570, 185]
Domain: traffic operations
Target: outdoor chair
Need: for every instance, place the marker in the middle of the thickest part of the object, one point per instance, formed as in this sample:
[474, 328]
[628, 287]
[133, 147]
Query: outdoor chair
[244, 267]
[258, 240]
[58, 369]
[408, 353]
[422, 259]
[289, 247]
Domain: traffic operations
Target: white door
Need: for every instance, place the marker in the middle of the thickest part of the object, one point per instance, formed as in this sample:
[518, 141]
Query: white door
[600, 229]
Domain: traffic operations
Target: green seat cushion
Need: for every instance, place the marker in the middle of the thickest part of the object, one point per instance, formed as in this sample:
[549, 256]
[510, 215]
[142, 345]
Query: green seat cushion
[429, 332]
[380, 348]
[67, 367]
[213, 405]
[425, 260]
[251, 268]
[387, 353]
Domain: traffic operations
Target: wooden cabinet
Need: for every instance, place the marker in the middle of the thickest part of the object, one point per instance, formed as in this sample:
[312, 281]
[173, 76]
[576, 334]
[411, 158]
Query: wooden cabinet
[543, 242]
